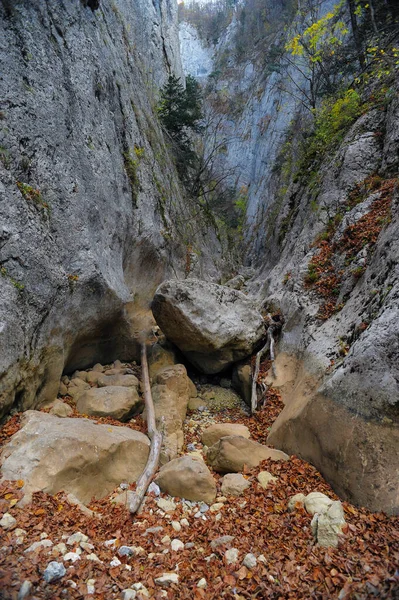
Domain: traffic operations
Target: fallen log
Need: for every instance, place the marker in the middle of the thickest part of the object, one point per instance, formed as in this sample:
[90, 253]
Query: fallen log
[155, 436]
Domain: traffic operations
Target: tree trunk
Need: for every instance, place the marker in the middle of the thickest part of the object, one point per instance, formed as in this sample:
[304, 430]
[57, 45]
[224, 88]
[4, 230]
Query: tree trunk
[154, 435]
[356, 35]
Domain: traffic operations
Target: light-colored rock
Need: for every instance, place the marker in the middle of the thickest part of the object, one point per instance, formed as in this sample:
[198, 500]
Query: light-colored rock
[120, 403]
[187, 478]
[192, 390]
[234, 484]
[294, 500]
[75, 455]
[76, 538]
[60, 548]
[231, 453]
[167, 506]
[231, 556]
[71, 556]
[327, 526]
[63, 390]
[25, 590]
[213, 433]
[175, 379]
[202, 584]
[250, 561]
[54, 571]
[129, 594]
[7, 521]
[265, 478]
[38, 546]
[60, 409]
[196, 403]
[176, 526]
[317, 502]
[176, 545]
[166, 579]
[214, 326]
[216, 507]
[218, 398]
[221, 541]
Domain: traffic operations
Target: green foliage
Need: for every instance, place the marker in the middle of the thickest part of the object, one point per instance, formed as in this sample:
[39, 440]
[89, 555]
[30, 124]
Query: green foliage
[131, 162]
[180, 111]
[4, 273]
[32, 195]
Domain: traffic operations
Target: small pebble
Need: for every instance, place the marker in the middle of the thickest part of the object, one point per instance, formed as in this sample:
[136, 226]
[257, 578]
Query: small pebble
[115, 562]
[176, 526]
[204, 508]
[110, 543]
[54, 570]
[184, 523]
[166, 579]
[231, 556]
[90, 586]
[72, 556]
[128, 594]
[25, 589]
[61, 548]
[125, 551]
[76, 538]
[7, 521]
[165, 539]
[202, 584]
[250, 561]
[124, 486]
[93, 557]
[177, 545]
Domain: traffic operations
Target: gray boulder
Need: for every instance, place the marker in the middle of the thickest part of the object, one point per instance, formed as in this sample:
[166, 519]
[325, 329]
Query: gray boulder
[213, 326]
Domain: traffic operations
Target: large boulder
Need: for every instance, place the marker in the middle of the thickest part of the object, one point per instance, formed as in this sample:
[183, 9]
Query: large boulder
[75, 455]
[242, 381]
[188, 478]
[231, 453]
[234, 484]
[213, 433]
[118, 402]
[213, 326]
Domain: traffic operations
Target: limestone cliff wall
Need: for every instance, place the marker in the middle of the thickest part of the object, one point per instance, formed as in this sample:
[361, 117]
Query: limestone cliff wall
[92, 217]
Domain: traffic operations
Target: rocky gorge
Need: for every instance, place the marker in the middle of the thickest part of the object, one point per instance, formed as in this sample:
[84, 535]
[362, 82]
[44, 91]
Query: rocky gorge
[103, 251]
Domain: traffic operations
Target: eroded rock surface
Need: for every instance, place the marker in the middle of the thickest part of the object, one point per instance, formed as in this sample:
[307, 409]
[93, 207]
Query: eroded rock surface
[120, 403]
[213, 433]
[212, 325]
[75, 455]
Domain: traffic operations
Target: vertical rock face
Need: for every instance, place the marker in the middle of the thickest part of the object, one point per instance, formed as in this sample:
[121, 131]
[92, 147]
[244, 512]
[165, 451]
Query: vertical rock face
[91, 212]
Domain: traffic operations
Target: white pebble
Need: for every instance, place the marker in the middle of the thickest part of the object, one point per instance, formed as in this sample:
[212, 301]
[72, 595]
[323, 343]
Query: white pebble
[176, 526]
[72, 556]
[250, 561]
[202, 584]
[115, 562]
[177, 545]
[7, 521]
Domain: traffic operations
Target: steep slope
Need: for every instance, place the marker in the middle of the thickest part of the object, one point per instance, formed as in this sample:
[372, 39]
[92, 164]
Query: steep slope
[92, 216]
[323, 243]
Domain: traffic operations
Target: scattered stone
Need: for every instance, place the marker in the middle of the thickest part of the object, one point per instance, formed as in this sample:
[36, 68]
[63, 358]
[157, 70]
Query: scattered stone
[110, 543]
[90, 586]
[166, 579]
[250, 561]
[327, 526]
[25, 589]
[177, 545]
[231, 453]
[184, 523]
[124, 486]
[165, 539]
[216, 507]
[62, 390]
[7, 521]
[157, 529]
[39, 545]
[212, 434]
[153, 488]
[115, 562]
[221, 541]
[54, 571]
[262, 559]
[108, 453]
[61, 409]
[72, 556]
[189, 478]
[118, 402]
[317, 502]
[76, 538]
[265, 478]
[202, 584]
[295, 500]
[231, 556]
[125, 551]
[93, 557]
[167, 506]
[204, 507]
[214, 326]
[176, 525]
[129, 594]
[234, 484]
[61, 548]
[86, 546]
